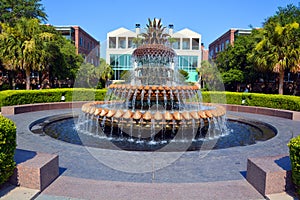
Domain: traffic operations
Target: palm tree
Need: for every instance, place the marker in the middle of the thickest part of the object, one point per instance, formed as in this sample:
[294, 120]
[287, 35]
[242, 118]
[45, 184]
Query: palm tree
[137, 41]
[278, 50]
[23, 46]
[104, 71]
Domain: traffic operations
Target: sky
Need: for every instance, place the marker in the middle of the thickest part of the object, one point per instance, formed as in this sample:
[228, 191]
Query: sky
[210, 18]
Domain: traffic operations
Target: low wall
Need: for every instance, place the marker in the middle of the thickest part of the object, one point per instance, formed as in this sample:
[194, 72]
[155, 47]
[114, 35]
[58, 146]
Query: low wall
[13, 110]
[287, 114]
[18, 109]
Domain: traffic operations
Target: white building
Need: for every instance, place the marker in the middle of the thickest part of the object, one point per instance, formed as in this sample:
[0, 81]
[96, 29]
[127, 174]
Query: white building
[120, 46]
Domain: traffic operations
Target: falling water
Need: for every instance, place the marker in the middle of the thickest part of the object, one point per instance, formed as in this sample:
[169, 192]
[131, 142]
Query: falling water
[142, 99]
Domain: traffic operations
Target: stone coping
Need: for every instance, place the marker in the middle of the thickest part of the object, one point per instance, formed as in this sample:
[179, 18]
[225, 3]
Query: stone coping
[287, 114]
[18, 109]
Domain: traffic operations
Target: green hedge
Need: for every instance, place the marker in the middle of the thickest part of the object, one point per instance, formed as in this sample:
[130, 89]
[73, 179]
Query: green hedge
[294, 146]
[19, 97]
[7, 148]
[284, 102]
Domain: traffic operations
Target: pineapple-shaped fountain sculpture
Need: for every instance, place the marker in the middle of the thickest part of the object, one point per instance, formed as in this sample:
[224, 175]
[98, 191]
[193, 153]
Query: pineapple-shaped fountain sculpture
[155, 103]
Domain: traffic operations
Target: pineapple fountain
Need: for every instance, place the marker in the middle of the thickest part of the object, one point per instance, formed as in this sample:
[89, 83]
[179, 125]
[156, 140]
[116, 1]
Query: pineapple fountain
[154, 105]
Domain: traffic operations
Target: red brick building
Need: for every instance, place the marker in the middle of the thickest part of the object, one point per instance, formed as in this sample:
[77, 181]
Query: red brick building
[85, 44]
[204, 53]
[221, 43]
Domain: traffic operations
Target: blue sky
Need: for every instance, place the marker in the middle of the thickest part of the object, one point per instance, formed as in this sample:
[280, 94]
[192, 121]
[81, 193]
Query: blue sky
[210, 18]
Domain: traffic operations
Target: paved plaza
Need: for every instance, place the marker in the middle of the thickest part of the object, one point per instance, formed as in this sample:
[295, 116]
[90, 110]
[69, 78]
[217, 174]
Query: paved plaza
[216, 174]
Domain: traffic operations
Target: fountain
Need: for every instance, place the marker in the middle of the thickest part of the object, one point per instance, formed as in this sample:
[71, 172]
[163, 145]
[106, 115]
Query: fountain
[154, 104]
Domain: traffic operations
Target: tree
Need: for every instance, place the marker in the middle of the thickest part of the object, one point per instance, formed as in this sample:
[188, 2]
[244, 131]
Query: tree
[137, 41]
[24, 46]
[232, 77]
[234, 63]
[279, 43]
[278, 50]
[12, 10]
[210, 76]
[64, 62]
[87, 76]
[184, 73]
[104, 72]
[285, 15]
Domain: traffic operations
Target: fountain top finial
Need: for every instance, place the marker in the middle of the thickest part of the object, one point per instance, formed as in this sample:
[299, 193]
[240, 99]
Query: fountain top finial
[155, 33]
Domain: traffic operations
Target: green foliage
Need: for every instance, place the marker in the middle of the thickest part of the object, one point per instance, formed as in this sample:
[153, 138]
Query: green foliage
[284, 102]
[24, 46]
[12, 10]
[7, 148]
[285, 15]
[234, 64]
[294, 147]
[20, 97]
[278, 48]
[184, 73]
[211, 76]
[87, 76]
[232, 76]
[104, 71]
[125, 75]
[64, 61]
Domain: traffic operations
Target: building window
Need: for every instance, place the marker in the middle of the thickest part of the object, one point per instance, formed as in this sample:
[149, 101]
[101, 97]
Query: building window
[81, 41]
[130, 42]
[176, 43]
[223, 46]
[112, 42]
[120, 62]
[122, 42]
[188, 63]
[195, 44]
[211, 53]
[216, 49]
[185, 43]
[226, 43]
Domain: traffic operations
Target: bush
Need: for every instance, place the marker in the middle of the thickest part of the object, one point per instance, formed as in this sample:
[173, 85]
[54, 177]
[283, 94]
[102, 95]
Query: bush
[7, 148]
[20, 97]
[284, 102]
[294, 146]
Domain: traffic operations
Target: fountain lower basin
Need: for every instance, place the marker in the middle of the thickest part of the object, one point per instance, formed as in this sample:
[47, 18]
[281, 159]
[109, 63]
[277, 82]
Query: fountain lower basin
[240, 132]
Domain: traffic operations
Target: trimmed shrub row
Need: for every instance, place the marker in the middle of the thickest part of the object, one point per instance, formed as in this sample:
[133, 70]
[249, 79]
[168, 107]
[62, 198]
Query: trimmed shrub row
[294, 147]
[7, 148]
[20, 97]
[284, 102]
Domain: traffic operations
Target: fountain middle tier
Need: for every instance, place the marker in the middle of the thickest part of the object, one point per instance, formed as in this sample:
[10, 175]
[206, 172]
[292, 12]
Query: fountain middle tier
[181, 97]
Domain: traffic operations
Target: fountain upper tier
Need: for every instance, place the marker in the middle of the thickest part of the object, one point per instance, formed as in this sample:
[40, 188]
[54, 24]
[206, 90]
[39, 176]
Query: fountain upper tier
[154, 54]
